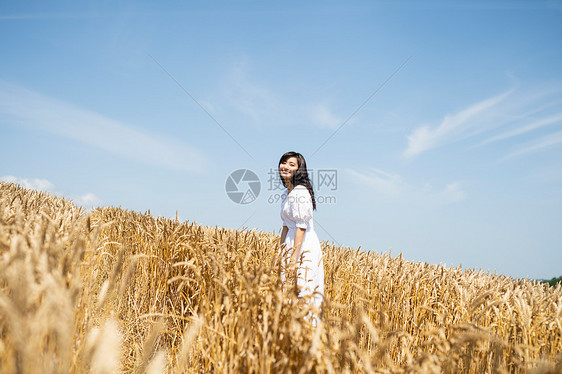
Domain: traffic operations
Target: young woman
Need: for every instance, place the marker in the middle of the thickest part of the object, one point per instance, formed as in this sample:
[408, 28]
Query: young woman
[298, 230]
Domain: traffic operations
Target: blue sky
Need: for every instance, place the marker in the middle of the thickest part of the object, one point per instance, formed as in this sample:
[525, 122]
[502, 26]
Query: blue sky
[442, 120]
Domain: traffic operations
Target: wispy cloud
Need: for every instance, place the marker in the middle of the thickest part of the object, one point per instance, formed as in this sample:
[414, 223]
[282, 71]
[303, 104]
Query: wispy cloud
[537, 145]
[245, 98]
[386, 184]
[525, 129]
[249, 97]
[87, 200]
[22, 107]
[322, 116]
[453, 127]
[32, 183]
[512, 113]
[389, 186]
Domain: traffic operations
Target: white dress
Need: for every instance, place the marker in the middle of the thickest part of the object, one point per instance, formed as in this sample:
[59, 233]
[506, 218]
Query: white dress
[296, 211]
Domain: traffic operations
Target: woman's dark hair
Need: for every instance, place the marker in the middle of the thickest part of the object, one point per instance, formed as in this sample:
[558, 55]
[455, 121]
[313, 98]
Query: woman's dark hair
[300, 176]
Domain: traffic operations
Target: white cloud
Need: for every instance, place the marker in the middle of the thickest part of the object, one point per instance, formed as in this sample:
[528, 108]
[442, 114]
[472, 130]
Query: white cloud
[20, 106]
[322, 116]
[388, 186]
[514, 113]
[525, 129]
[35, 183]
[245, 98]
[537, 145]
[88, 200]
[453, 192]
[453, 127]
[250, 98]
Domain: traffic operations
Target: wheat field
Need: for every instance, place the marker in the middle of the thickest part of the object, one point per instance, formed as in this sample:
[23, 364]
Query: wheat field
[113, 290]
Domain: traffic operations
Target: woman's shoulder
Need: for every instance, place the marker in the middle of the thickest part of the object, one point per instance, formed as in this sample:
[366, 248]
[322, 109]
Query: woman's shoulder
[300, 190]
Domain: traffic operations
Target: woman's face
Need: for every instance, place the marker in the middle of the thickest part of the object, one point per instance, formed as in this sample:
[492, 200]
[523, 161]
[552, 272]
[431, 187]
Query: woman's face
[288, 168]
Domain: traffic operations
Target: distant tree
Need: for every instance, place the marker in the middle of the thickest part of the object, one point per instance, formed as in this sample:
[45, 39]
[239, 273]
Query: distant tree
[554, 281]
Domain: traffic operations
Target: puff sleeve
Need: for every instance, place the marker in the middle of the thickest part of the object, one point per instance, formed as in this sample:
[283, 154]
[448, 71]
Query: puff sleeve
[300, 207]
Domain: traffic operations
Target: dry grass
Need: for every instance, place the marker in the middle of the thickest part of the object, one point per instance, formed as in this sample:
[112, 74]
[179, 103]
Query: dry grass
[120, 291]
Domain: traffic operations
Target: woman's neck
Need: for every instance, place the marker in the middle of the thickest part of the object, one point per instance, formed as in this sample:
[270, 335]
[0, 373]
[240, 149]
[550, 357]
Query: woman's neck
[289, 186]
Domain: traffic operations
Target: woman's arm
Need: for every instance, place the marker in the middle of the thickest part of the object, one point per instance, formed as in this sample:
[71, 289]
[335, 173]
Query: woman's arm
[299, 237]
[283, 235]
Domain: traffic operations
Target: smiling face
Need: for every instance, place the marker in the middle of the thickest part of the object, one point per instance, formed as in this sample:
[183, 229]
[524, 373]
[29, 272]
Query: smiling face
[288, 168]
